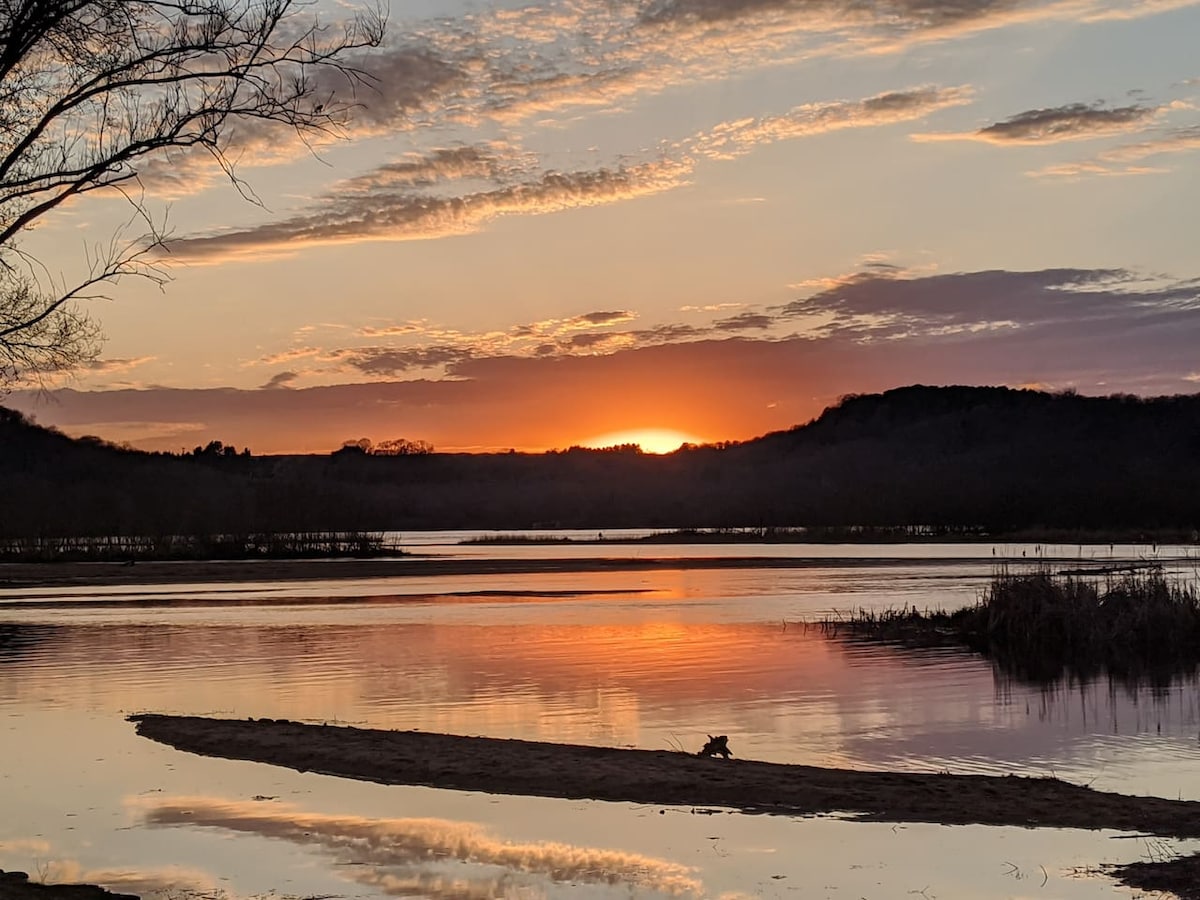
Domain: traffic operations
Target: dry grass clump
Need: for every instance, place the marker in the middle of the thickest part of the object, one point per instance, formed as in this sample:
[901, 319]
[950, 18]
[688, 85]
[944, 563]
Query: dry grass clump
[1041, 625]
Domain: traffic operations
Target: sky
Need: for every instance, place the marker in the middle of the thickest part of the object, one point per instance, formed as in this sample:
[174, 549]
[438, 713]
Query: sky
[582, 222]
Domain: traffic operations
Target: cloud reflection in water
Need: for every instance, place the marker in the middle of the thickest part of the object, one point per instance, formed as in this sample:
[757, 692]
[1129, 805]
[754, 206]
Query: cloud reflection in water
[425, 856]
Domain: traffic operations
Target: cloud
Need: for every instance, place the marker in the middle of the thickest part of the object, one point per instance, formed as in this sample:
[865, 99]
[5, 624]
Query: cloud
[744, 322]
[733, 139]
[389, 361]
[405, 215]
[906, 306]
[392, 202]
[1123, 159]
[1100, 330]
[1178, 140]
[280, 380]
[285, 356]
[605, 317]
[888, 16]
[495, 162]
[103, 366]
[117, 364]
[464, 75]
[1073, 121]
[401, 856]
[400, 81]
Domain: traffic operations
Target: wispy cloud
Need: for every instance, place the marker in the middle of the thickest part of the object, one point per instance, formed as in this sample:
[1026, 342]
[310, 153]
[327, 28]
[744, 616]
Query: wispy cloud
[394, 202]
[504, 66]
[389, 361]
[1070, 122]
[280, 380]
[746, 321]
[733, 139]
[118, 364]
[877, 306]
[1128, 159]
[286, 356]
[404, 215]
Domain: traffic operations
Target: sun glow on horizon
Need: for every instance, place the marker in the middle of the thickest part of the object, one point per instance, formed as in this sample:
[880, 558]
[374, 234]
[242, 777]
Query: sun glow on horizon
[651, 440]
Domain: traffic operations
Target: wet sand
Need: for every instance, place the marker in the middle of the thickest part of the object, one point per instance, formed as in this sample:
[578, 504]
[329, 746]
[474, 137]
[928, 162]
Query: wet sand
[668, 778]
[17, 886]
[1178, 876]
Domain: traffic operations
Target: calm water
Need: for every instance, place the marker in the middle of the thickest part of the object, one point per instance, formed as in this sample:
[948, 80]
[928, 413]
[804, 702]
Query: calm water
[647, 659]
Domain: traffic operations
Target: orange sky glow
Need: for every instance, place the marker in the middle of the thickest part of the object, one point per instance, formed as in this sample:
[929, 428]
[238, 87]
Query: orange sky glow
[563, 224]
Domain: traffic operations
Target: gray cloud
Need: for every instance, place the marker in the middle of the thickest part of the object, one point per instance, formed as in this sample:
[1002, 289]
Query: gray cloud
[437, 166]
[401, 80]
[390, 361]
[393, 202]
[1072, 121]
[503, 64]
[746, 321]
[669, 333]
[1066, 122]
[993, 296]
[909, 14]
[280, 380]
[606, 317]
[405, 215]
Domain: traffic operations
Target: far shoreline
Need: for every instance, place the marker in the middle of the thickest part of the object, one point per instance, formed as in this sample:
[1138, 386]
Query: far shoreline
[42, 575]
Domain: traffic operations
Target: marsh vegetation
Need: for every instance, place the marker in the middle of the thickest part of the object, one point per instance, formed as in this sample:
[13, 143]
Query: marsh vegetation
[191, 547]
[1039, 625]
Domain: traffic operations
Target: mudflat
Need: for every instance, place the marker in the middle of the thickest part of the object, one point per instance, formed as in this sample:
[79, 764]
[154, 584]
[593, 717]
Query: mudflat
[668, 778]
[17, 886]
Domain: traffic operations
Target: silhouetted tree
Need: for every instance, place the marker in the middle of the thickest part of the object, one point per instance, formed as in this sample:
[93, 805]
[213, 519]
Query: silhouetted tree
[90, 90]
[402, 447]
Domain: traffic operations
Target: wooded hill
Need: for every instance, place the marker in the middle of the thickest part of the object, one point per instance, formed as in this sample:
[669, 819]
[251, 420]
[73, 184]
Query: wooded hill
[997, 459]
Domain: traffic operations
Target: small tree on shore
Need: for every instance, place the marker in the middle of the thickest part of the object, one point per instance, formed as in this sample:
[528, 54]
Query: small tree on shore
[90, 90]
[402, 447]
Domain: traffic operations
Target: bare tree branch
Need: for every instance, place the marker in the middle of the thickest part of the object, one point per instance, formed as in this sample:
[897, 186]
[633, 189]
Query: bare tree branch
[92, 89]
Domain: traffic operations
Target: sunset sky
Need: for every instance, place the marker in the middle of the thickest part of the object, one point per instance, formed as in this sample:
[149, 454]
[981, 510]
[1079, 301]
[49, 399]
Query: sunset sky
[555, 223]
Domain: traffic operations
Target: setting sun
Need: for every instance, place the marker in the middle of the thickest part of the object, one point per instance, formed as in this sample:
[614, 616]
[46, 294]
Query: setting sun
[651, 440]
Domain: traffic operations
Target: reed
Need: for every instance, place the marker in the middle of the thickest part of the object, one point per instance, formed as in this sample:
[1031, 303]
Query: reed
[1039, 625]
[503, 539]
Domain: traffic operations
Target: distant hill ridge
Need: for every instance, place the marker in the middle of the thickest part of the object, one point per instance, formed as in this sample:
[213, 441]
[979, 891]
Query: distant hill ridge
[989, 457]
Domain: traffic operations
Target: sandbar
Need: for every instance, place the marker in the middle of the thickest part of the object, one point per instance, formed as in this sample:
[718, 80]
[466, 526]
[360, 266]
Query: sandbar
[668, 778]
[17, 886]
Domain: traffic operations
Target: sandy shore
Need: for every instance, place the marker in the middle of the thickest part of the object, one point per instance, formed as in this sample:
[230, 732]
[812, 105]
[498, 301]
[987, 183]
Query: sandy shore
[83, 574]
[663, 777]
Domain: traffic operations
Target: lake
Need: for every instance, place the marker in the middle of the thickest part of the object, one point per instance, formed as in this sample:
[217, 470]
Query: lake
[652, 658]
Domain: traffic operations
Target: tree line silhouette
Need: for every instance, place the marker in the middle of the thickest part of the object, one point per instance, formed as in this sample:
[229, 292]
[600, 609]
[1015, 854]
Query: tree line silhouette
[966, 459]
